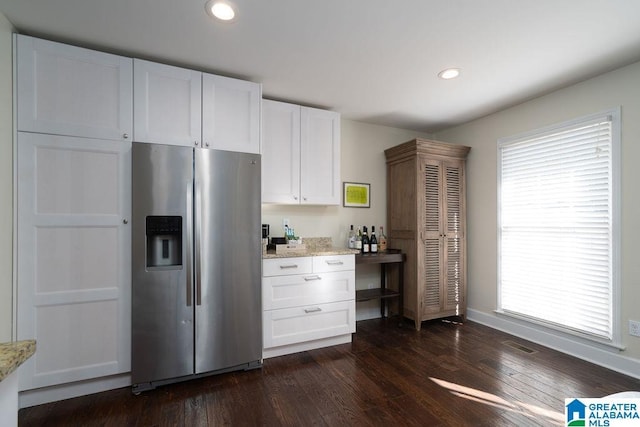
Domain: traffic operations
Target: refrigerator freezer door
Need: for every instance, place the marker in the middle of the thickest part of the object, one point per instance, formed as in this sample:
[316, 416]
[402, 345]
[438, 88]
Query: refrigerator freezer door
[228, 242]
[162, 300]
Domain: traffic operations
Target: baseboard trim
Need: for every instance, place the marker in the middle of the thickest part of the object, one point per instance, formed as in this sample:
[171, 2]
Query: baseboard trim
[607, 358]
[67, 391]
[305, 346]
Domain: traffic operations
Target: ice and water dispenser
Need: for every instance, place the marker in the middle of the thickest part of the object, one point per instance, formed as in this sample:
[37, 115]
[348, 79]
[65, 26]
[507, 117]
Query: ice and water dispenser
[164, 241]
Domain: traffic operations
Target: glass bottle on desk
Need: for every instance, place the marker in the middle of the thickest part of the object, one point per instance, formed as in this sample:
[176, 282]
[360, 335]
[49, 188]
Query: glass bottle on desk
[382, 241]
[351, 243]
[365, 241]
[359, 240]
[373, 241]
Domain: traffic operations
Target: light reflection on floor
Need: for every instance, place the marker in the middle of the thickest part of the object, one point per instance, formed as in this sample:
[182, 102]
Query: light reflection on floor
[531, 411]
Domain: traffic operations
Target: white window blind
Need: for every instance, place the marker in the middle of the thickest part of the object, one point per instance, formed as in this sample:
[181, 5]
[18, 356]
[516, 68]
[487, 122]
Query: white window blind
[556, 227]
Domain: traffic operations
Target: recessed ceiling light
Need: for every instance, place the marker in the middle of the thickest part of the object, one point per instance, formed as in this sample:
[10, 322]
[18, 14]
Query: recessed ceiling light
[449, 73]
[221, 10]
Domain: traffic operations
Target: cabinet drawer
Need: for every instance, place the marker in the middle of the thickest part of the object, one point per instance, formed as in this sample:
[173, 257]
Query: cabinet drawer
[293, 291]
[307, 323]
[325, 263]
[286, 266]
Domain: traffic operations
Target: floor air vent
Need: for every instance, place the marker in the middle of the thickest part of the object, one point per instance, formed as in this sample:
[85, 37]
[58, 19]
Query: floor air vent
[519, 347]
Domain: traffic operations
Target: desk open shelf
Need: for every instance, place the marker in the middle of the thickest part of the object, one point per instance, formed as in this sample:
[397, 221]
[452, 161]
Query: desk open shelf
[391, 256]
[367, 294]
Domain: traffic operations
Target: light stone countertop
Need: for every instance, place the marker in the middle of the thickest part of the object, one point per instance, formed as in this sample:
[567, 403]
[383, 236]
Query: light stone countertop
[315, 246]
[14, 354]
[308, 252]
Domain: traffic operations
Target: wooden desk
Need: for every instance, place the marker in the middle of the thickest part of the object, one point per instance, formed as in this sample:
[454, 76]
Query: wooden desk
[391, 256]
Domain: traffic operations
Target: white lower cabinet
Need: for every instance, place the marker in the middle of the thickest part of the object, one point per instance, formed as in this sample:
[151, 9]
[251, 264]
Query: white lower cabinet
[307, 323]
[308, 302]
[301, 290]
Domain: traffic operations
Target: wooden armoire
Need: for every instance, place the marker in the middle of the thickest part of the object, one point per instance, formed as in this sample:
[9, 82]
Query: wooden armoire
[426, 220]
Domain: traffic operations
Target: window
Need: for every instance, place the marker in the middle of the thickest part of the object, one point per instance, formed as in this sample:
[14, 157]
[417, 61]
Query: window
[557, 226]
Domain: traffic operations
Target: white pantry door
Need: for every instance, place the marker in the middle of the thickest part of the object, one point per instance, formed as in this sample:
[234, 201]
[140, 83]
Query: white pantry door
[74, 254]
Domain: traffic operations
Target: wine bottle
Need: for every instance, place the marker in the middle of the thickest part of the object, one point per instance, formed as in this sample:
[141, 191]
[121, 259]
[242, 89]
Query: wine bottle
[373, 242]
[351, 242]
[359, 240]
[365, 241]
[382, 241]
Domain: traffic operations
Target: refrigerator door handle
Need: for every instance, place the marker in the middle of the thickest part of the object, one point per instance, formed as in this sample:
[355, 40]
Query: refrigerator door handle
[189, 242]
[196, 237]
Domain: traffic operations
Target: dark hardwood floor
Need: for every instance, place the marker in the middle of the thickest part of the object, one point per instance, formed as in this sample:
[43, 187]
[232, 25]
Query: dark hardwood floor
[445, 375]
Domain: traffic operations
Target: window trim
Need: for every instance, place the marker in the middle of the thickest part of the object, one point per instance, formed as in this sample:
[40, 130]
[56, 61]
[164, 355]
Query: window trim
[616, 290]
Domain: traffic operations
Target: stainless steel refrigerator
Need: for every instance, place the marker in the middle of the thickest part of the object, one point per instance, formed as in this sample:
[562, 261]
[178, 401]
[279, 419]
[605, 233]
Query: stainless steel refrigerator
[196, 263]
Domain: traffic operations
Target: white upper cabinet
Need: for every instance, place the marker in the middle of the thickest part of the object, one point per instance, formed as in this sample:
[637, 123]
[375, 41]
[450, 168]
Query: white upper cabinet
[230, 114]
[319, 157]
[167, 104]
[67, 90]
[280, 152]
[300, 155]
[178, 106]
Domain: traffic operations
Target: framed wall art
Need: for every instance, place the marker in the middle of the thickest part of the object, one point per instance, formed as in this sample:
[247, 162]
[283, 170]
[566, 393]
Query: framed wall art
[356, 195]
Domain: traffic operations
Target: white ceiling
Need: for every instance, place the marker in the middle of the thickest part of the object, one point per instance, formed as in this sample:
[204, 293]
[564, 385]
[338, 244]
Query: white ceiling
[371, 60]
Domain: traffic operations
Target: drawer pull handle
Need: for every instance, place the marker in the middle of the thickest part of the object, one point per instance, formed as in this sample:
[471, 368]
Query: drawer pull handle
[334, 262]
[312, 310]
[308, 279]
[289, 266]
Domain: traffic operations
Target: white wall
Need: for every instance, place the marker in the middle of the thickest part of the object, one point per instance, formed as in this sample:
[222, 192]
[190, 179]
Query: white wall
[362, 160]
[6, 179]
[617, 88]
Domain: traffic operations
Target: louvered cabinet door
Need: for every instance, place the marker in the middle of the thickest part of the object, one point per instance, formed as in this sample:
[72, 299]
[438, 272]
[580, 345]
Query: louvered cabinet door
[431, 286]
[453, 280]
[443, 284]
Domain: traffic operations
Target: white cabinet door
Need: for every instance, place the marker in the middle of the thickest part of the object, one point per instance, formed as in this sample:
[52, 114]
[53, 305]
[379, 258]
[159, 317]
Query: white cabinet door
[300, 155]
[231, 114]
[280, 153]
[73, 257]
[320, 157]
[167, 104]
[67, 90]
